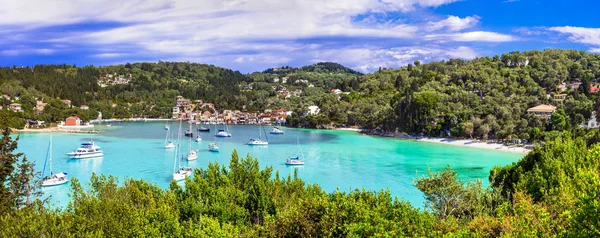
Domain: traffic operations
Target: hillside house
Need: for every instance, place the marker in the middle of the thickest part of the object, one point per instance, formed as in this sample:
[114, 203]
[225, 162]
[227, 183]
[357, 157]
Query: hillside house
[542, 110]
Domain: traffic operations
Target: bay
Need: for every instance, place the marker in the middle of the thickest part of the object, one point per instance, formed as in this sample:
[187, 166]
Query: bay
[334, 159]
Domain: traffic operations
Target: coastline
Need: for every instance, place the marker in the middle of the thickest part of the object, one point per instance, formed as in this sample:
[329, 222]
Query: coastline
[446, 141]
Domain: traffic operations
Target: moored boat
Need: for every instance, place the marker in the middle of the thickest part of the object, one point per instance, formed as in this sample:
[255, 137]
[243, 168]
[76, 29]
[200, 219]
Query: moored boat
[276, 131]
[86, 150]
[53, 179]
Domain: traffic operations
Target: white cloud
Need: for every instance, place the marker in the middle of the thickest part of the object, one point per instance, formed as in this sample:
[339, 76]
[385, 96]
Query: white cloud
[263, 58]
[580, 34]
[595, 50]
[108, 55]
[368, 59]
[481, 36]
[26, 51]
[453, 23]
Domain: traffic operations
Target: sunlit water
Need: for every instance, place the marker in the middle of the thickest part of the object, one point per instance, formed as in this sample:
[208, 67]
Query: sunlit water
[334, 159]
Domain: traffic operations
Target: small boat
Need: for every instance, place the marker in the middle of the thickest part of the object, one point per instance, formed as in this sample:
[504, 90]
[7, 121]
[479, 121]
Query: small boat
[108, 125]
[213, 147]
[222, 133]
[182, 173]
[189, 133]
[258, 141]
[198, 138]
[193, 155]
[167, 127]
[86, 150]
[53, 179]
[168, 143]
[276, 131]
[296, 160]
[203, 129]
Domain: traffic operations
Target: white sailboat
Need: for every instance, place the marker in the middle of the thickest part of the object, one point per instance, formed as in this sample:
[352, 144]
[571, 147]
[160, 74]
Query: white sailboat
[223, 133]
[169, 143]
[181, 172]
[213, 147]
[296, 160]
[193, 154]
[258, 141]
[53, 179]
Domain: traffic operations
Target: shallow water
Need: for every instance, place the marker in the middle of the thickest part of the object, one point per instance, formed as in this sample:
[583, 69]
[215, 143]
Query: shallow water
[334, 159]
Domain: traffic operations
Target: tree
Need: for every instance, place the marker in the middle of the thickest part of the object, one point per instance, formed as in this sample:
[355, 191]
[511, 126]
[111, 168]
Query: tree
[19, 186]
[468, 129]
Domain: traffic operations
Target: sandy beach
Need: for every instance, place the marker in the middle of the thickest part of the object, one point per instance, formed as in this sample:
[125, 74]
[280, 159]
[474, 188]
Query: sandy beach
[476, 144]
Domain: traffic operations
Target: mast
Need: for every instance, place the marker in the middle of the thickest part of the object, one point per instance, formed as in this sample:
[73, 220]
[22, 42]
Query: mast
[299, 148]
[50, 151]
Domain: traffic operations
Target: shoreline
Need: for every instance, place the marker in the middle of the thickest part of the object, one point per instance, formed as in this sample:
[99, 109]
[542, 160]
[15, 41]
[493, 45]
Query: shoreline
[446, 141]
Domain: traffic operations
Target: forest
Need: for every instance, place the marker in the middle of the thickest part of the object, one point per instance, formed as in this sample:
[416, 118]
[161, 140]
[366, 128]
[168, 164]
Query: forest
[484, 98]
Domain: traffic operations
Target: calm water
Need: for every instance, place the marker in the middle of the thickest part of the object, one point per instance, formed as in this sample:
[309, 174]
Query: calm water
[334, 159]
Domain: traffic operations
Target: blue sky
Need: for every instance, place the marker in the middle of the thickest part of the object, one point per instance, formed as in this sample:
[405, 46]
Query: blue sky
[252, 35]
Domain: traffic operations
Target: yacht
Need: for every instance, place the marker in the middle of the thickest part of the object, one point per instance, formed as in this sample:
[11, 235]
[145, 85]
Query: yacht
[189, 133]
[86, 150]
[182, 173]
[213, 147]
[203, 129]
[53, 179]
[193, 154]
[222, 133]
[168, 142]
[276, 131]
[258, 141]
[296, 160]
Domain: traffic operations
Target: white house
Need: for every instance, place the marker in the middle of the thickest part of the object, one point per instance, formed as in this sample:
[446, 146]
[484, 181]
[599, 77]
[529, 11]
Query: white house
[592, 123]
[313, 110]
[84, 107]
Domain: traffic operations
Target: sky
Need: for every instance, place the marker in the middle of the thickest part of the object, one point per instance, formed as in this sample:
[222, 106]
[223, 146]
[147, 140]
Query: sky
[253, 35]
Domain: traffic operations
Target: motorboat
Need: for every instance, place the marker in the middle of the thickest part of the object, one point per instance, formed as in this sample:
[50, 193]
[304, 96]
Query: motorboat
[167, 127]
[213, 147]
[86, 150]
[276, 131]
[294, 161]
[203, 129]
[182, 173]
[198, 138]
[189, 133]
[53, 179]
[222, 133]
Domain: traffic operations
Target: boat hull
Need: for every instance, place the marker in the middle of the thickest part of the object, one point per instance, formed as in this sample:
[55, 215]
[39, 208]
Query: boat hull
[85, 156]
[53, 182]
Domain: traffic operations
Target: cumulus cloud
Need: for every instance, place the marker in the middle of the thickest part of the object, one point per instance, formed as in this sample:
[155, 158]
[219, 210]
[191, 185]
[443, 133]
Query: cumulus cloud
[245, 32]
[368, 59]
[580, 34]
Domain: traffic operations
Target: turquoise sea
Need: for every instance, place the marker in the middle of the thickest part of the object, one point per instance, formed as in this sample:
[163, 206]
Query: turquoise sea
[334, 159]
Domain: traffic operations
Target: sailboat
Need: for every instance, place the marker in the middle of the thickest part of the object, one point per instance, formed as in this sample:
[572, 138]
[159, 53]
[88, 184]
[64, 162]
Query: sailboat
[168, 143]
[223, 133]
[53, 179]
[193, 154]
[258, 141]
[183, 171]
[213, 146]
[296, 160]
